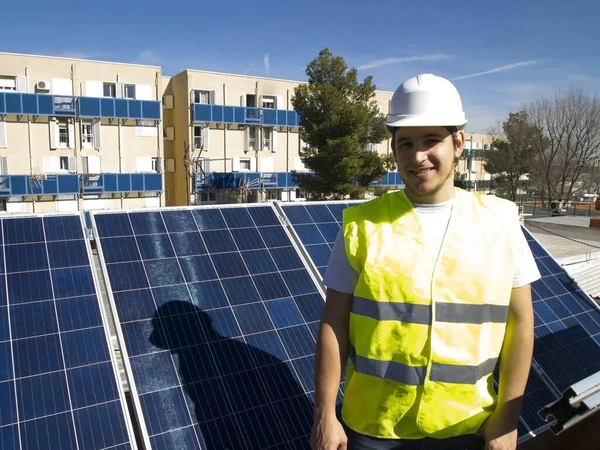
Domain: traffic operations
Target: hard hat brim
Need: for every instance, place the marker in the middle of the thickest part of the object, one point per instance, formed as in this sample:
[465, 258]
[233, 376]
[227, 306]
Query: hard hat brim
[393, 122]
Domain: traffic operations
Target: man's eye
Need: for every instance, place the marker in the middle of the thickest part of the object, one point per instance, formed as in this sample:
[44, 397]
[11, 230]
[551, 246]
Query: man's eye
[405, 145]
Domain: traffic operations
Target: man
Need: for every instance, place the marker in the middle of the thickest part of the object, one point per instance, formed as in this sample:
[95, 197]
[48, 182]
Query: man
[427, 289]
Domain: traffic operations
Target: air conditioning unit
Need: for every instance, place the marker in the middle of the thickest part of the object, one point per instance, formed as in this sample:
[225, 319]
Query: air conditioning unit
[168, 101]
[43, 85]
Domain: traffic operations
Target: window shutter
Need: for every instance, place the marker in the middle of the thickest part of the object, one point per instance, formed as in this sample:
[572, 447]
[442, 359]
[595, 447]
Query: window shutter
[144, 164]
[96, 134]
[3, 165]
[235, 165]
[211, 97]
[53, 133]
[119, 90]
[158, 164]
[51, 164]
[266, 164]
[71, 131]
[93, 165]
[243, 99]
[170, 165]
[280, 104]
[143, 92]
[252, 164]
[94, 89]
[72, 164]
[206, 137]
[22, 85]
[273, 140]
[62, 86]
[3, 136]
[247, 139]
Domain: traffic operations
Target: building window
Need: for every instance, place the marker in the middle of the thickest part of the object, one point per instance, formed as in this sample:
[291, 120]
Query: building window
[110, 90]
[129, 91]
[63, 134]
[208, 197]
[273, 194]
[198, 138]
[245, 164]
[267, 139]
[8, 83]
[203, 97]
[252, 133]
[64, 163]
[268, 102]
[155, 164]
[87, 135]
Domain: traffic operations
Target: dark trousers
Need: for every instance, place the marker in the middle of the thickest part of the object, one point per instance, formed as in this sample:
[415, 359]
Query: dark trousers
[358, 441]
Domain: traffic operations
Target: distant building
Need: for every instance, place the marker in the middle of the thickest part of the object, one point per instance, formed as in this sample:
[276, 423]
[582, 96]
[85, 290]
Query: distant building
[233, 132]
[79, 135]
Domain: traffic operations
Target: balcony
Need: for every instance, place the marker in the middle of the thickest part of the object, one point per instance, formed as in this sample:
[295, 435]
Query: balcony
[24, 185]
[37, 104]
[73, 184]
[121, 182]
[244, 115]
[119, 108]
[267, 180]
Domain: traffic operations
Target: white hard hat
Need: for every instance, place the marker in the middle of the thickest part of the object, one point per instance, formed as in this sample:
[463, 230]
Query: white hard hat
[426, 100]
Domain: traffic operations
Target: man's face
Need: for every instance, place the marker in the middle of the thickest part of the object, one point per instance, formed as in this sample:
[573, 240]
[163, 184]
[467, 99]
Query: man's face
[426, 158]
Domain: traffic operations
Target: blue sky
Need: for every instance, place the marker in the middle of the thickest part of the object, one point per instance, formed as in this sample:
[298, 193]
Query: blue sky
[529, 47]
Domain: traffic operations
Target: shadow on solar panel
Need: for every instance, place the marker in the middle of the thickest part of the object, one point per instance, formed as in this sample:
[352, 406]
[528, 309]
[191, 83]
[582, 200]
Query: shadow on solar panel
[217, 315]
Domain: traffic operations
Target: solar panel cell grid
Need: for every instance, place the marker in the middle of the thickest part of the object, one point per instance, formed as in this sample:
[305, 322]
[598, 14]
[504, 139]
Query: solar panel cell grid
[317, 226]
[58, 386]
[216, 310]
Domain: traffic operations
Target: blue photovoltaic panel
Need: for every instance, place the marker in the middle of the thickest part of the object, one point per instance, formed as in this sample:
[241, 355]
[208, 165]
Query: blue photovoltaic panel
[218, 315]
[317, 225]
[58, 385]
[567, 321]
[567, 336]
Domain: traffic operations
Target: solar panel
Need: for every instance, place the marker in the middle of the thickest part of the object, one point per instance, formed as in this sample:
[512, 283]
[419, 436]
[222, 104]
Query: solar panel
[217, 315]
[567, 321]
[316, 225]
[567, 337]
[59, 387]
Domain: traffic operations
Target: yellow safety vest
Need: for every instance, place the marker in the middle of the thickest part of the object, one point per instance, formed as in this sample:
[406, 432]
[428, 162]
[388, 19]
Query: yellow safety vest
[425, 335]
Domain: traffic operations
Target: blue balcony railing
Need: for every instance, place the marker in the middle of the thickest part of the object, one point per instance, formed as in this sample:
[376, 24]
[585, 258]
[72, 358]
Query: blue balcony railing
[121, 182]
[270, 180]
[119, 108]
[68, 106]
[37, 104]
[71, 184]
[244, 115]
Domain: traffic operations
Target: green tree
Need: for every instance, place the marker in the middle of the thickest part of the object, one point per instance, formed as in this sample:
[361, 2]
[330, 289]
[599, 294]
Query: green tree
[340, 118]
[512, 155]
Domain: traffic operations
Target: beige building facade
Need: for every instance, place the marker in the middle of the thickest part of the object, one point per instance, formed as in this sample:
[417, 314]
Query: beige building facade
[217, 123]
[79, 135]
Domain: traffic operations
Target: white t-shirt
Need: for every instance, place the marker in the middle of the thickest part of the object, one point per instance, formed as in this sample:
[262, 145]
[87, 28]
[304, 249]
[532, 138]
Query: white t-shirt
[342, 277]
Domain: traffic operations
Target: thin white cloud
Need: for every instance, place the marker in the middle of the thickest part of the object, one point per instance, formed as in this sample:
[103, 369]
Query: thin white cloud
[81, 55]
[512, 66]
[267, 64]
[148, 57]
[404, 59]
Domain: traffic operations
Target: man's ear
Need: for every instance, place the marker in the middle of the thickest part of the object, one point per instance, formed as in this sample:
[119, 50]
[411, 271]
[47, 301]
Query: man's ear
[459, 142]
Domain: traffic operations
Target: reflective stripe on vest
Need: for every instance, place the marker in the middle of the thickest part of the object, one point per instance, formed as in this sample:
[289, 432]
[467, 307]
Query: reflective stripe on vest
[415, 313]
[415, 376]
[425, 334]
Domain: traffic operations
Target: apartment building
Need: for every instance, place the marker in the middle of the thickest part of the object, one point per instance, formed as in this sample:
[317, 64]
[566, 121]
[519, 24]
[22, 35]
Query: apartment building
[79, 135]
[470, 171]
[228, 131]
